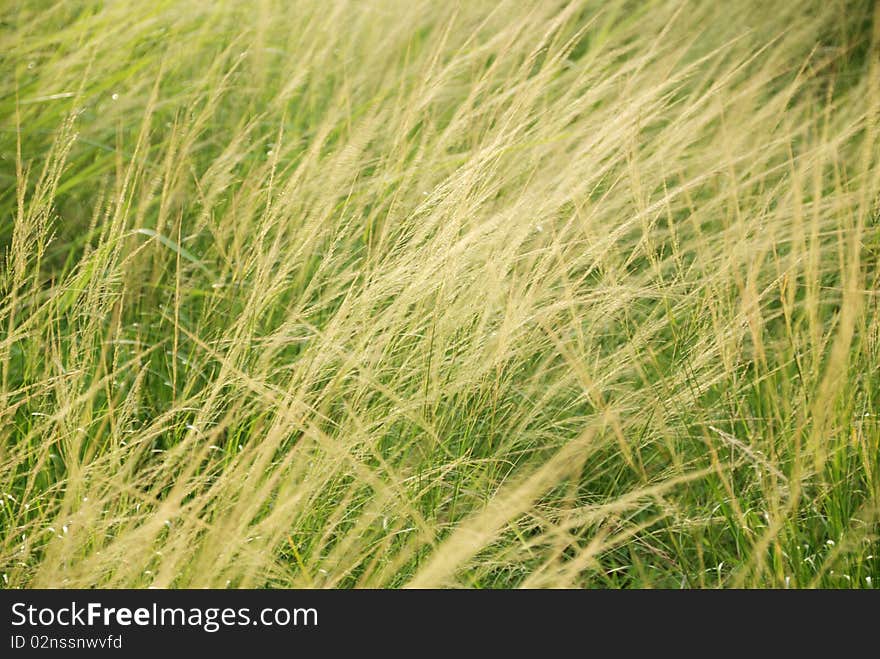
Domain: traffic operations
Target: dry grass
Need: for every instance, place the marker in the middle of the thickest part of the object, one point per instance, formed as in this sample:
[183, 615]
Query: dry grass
[390, 294]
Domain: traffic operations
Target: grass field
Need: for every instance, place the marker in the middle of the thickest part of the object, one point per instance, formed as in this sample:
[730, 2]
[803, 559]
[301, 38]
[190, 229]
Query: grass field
[440, 294]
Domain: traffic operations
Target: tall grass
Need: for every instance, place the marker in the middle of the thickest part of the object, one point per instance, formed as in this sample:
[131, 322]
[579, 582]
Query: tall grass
[381, 294]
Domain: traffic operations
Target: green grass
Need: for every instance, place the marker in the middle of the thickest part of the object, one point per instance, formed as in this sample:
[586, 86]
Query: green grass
[387, 294]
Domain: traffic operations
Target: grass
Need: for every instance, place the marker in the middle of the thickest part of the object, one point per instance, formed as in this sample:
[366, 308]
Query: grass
[418, 294]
